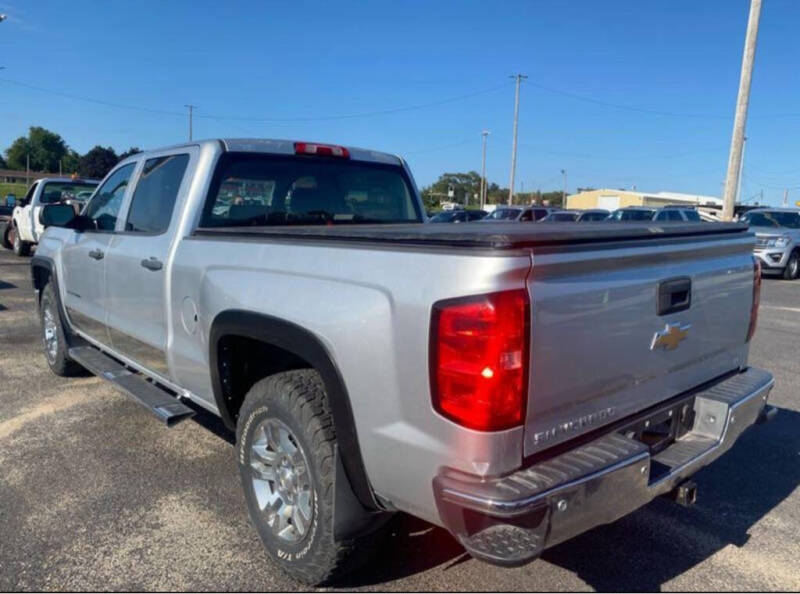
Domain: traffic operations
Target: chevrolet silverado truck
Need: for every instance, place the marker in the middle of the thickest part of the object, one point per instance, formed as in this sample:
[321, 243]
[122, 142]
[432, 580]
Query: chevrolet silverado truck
[777, 239]
[25, 227]
[516, 384]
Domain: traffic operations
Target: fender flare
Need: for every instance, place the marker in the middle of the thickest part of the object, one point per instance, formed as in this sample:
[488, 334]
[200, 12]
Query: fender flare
[304, 344]
[46, 263]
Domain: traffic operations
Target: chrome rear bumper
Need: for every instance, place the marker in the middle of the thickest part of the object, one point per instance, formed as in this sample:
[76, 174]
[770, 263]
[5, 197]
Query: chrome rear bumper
[512, 519]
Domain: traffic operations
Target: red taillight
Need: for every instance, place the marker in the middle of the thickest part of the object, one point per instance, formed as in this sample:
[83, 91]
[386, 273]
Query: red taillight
[756, 298]
[322, 150]
[479, 359]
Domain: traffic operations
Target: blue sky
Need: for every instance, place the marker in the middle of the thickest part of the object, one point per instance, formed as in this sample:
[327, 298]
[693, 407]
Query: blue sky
[620, 93]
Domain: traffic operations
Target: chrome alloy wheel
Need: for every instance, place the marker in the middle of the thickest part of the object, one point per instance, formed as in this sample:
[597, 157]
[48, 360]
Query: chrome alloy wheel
[794, 266]
[49, 332]
[281, 480]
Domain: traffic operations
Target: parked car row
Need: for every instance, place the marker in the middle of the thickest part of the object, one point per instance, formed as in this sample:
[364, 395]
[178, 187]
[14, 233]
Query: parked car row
[522, 214]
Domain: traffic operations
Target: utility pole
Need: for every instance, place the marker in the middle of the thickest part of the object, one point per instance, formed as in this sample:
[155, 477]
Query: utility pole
[519, 78]
[741, 173]
[786, 197]
[564, 195]
[742, 101]
[191, 109]
[485, 134]
[28, 170]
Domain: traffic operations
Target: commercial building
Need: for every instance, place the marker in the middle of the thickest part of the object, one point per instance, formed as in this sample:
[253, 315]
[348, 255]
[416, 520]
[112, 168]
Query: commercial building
[613, 199]
[12, 176]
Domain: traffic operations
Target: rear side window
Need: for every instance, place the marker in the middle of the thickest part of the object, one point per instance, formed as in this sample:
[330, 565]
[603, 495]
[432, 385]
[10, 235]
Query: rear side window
[691, 215]
[155, 194]
[306, 190]
[669, 215]
[635, 215]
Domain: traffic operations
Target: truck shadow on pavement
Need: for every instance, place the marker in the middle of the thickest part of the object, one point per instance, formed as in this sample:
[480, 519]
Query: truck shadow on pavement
[639, 552]
[649, 547]
[663, 540]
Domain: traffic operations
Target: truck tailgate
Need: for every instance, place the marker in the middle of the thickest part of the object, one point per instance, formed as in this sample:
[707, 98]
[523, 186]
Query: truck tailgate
[595, 318]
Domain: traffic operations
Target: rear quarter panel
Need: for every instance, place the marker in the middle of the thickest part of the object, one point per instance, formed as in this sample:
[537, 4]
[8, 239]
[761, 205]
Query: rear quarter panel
[371, 309]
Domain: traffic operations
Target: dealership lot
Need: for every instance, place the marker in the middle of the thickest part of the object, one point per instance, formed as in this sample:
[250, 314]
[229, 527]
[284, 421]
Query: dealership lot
[96, 494]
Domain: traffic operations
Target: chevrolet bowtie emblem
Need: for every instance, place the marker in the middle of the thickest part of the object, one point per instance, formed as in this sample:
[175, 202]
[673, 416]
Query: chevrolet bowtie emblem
[670, 336]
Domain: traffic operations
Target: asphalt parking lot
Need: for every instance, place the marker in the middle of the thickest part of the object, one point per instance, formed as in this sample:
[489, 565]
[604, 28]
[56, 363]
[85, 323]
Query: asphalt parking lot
[95, 494]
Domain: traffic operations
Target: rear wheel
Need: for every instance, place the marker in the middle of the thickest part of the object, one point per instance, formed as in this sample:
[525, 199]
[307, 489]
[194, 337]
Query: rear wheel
[792, 266]
[285, 444]
[53, 338]
[21, 248]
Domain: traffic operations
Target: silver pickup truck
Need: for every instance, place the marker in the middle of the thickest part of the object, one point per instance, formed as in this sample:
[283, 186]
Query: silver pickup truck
[515, 384]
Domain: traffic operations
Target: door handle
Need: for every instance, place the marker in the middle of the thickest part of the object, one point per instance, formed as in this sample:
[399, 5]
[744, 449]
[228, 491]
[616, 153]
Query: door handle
[152, 264]
[96, 254]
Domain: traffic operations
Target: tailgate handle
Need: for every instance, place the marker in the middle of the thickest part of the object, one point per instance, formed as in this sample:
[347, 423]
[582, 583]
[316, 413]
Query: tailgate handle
[674, 294]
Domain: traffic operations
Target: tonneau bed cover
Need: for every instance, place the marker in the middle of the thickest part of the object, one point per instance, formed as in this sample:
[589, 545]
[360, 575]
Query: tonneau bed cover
[499, 236]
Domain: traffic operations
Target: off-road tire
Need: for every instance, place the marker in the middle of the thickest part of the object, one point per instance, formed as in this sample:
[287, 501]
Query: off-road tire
[298, 400]
[21, 248]
[4, 240]
[792, 266]
[59, 363]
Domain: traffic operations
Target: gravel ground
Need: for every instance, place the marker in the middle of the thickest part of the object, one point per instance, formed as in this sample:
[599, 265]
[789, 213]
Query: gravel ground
[95, 494]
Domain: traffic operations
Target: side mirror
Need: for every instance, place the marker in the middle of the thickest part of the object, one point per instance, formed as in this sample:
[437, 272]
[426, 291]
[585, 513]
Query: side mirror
[58, 215]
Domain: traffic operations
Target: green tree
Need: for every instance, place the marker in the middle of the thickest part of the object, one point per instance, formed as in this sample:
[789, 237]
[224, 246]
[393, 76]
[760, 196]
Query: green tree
[97, 162]
[17, 153]
[70, 162]
[465, 187]
[2, 163]
[44, 147]
[131, 151]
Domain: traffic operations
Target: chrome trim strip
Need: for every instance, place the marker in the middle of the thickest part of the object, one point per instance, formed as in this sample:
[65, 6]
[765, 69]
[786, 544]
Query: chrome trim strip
[517, 506]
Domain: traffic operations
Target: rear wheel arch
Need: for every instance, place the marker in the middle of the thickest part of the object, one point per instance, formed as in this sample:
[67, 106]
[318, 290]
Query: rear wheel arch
[298, 348]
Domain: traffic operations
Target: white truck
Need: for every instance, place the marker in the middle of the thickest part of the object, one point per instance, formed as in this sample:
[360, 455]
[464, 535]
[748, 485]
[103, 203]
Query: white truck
[25, 228]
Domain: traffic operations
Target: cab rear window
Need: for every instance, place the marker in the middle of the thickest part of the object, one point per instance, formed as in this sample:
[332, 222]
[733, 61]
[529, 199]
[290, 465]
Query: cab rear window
[252, 189]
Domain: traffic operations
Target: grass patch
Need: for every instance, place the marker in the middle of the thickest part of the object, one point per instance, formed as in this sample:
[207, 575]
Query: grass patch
[19, 190]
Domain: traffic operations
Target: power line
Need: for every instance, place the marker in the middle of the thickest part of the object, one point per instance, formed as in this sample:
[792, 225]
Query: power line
[441, 147]
[624, 107]
[260, 119]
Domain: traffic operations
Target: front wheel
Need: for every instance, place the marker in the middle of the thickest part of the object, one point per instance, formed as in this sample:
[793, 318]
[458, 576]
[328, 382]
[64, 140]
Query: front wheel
[6, 240]
[792, 266]
[54, 340]
[21, 248]
[285, 449]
